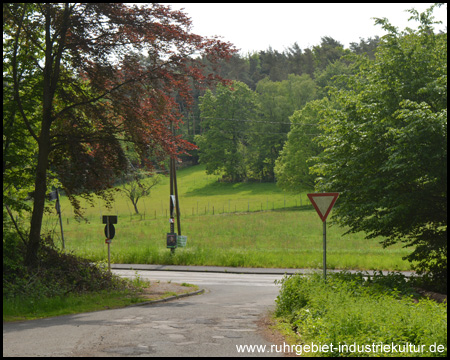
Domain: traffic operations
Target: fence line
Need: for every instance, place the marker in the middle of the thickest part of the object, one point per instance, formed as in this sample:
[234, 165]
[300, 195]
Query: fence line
[199, 208]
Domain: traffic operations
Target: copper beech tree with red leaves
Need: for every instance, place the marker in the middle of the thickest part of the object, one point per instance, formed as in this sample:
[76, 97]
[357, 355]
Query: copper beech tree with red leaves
[106, 76]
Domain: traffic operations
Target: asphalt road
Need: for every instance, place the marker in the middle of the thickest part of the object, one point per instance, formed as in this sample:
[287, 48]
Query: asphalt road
[211, 324]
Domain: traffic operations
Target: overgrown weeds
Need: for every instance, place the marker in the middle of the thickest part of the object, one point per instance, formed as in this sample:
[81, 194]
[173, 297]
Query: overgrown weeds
[57, 274]
[349, 310]
[61, 283]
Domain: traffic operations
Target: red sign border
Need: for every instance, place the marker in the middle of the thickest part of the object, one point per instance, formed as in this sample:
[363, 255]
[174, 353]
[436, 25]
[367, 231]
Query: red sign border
[311, 198]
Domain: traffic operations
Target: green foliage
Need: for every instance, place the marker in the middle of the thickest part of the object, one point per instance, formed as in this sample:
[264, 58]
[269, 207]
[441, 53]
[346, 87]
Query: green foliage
[61, 284]
[278, 101]
[57, 273]
[327, 52]
[19, 149]
[244, 130]
[292, 167]
[29, 308]
[284, 82]
[14, 273]
[347, 310]
[385, 143]
[135, 188]
[222, 145]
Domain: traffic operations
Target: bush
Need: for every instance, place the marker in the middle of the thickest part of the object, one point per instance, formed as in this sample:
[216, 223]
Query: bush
[347, 310]
[14, 273]
[58, 273]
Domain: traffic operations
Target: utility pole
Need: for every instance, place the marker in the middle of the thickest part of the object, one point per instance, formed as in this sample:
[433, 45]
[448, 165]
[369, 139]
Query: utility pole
[174, 206]
[172, 237]
[177, 203]
[172, 200]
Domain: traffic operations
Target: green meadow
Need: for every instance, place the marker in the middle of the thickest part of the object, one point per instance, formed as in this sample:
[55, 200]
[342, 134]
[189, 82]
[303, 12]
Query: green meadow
[245, 224]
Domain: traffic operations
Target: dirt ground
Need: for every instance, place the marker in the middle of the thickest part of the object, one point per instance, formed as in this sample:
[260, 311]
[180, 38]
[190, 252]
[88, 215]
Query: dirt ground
[160, 290]
[432, 295]
[266, 329]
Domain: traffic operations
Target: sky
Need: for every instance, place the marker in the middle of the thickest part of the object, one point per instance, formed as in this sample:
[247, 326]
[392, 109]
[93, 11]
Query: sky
[254, 27]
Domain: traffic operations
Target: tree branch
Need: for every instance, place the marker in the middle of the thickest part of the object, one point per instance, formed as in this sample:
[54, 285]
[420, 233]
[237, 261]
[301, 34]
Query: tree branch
[15, 80]
[15, 224]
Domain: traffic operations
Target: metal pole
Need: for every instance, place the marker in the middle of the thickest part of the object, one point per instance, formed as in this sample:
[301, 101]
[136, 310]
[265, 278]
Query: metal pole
[60, 219]
[177, 203]
[172, 227]
[109, 249]
[109, 257]
[325, 250]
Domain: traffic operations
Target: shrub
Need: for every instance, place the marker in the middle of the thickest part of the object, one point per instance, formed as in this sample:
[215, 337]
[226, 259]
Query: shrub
[58, 273]
[348, 310]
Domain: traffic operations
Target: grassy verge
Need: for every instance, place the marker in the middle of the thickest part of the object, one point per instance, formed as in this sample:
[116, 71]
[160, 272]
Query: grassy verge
[60, 284]
[25, 308]
[348, 316]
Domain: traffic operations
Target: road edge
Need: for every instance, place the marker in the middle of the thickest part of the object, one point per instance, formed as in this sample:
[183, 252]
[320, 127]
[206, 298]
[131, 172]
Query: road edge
[174, 297]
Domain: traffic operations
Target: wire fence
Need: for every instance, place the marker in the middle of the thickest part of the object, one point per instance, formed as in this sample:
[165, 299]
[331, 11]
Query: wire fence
[149, 210]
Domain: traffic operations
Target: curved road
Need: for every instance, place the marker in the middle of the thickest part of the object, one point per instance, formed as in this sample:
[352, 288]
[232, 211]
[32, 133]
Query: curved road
[211, 324]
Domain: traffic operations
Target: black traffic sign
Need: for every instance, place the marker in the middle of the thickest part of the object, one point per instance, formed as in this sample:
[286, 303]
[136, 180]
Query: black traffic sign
[109, 219]
[110, 231]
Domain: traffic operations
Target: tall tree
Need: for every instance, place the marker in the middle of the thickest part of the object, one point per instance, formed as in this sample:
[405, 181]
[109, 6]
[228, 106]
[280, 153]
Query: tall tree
[95, 93]
[386, 145]
[278, 101]
[367, 47]
[226, 116]
[327, 52]
[292, 166]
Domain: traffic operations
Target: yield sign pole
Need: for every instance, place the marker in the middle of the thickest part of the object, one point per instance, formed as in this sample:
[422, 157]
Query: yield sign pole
[323, 203]
[325, 250]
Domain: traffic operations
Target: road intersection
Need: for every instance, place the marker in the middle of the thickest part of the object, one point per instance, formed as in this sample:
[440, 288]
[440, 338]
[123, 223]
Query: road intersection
[212, 324]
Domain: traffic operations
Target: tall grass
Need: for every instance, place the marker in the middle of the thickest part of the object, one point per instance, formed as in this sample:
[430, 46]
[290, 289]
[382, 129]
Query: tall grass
[254, 225]
[362, 318]
[28, 308]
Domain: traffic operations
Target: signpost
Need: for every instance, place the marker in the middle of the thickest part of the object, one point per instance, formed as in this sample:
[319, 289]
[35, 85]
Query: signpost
[54, 195]
[110, 231]
[323, 203]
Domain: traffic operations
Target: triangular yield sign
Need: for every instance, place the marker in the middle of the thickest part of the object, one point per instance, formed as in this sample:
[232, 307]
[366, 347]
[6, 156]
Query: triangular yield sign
[323, 203]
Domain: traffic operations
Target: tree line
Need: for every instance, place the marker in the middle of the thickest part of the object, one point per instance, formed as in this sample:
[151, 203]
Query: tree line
[279, 66]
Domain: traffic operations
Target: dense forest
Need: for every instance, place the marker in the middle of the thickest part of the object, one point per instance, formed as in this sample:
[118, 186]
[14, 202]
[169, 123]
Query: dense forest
[271, 87]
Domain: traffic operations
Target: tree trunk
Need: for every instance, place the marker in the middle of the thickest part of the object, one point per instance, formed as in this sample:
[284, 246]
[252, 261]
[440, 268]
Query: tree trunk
[135, 207]
[40, 189]
[51, 73]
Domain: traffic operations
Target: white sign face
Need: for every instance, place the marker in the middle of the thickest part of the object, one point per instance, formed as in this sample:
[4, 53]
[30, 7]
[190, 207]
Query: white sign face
[323, 203]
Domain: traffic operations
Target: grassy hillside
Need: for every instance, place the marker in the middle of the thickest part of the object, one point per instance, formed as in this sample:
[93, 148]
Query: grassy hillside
[254, 225]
